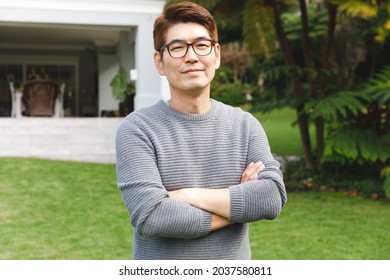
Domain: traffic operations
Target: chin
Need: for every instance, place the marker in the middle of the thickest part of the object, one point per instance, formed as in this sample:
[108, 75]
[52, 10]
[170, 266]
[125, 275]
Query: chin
[196, 90]
[197, 85]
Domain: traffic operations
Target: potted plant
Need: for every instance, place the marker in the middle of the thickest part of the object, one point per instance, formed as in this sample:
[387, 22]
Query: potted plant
[123, 91]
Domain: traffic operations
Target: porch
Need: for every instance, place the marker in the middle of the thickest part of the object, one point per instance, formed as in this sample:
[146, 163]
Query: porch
[70, 139]
[81, 44]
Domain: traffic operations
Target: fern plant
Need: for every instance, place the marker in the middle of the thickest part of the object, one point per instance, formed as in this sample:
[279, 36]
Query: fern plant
[347, 144]
[365, 131]
[359, 125]
[341, 104]
[379, 86]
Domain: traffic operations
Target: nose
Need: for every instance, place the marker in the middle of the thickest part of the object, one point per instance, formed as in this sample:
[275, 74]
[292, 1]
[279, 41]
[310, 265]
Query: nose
[191, 56]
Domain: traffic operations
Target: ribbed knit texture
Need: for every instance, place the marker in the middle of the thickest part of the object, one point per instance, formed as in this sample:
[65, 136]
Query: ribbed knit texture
[161, 149]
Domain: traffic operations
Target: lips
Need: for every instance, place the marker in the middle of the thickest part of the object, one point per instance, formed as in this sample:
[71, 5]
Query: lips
[192, 70]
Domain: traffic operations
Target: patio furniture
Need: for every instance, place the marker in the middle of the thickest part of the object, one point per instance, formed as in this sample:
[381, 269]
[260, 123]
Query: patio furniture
[16, 101]
[59, 107]
[39, 97]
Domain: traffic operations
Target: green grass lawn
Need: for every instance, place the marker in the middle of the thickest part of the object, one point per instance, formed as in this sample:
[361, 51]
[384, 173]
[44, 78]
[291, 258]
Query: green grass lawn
[325, 226]
[61, 210]
[66, 210]
[283, 136]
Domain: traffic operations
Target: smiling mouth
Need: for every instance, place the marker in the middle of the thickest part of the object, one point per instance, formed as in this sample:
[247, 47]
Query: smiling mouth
[192, 71]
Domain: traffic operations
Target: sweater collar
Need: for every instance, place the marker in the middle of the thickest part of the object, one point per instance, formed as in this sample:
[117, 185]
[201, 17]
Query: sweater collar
[191, 117]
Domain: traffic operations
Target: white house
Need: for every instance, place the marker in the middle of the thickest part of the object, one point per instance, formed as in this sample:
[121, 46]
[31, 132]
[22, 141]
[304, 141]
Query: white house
[80, 43]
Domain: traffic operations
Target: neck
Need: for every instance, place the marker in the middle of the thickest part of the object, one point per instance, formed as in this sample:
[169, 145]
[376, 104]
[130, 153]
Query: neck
[191, 104]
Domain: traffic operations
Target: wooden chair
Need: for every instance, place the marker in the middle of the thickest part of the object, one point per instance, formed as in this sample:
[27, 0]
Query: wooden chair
[39, 97]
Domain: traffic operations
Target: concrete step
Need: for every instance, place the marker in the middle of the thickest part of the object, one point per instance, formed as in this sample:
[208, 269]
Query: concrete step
[72, 139]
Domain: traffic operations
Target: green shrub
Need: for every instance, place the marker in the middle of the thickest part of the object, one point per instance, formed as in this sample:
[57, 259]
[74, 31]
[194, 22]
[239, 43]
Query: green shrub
[231, 93]
[228, 91]
[294, 175]
[386, 186]
[359, 179]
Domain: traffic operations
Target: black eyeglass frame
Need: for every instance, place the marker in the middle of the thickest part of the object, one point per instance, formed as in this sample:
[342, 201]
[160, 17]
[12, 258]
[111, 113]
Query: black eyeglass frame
[166, 46]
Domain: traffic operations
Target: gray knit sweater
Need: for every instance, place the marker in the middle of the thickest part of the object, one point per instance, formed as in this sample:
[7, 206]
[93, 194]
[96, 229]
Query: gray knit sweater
[160, 149]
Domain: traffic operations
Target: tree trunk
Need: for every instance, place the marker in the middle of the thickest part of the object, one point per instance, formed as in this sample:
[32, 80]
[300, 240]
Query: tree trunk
[320, 122]
[297, 86]
[307, 49]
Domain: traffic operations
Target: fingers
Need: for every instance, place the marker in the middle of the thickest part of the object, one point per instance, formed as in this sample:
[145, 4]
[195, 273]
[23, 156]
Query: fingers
[252, 171]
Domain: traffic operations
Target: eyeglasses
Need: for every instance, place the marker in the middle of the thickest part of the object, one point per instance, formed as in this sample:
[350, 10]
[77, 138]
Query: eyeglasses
[179, 49]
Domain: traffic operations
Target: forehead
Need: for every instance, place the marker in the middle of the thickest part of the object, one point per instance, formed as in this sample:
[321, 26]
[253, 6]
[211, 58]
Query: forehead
[186, 32]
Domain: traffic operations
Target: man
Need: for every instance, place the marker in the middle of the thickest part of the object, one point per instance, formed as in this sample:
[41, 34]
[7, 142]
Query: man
[189, 169]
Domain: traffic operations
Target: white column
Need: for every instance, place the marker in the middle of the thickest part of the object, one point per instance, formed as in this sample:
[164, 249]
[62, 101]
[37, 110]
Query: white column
[108, 67]
[18, 112]
[126, 49]
[149, 84]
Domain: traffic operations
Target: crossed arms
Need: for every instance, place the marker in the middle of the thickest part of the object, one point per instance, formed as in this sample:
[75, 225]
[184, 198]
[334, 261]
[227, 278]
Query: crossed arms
[216, 201]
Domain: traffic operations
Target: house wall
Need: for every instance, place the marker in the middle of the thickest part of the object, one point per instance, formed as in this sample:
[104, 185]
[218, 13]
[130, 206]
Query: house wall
[70, 139]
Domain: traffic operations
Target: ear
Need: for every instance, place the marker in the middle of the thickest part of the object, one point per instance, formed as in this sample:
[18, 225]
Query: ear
[217, 56]
[159, 63]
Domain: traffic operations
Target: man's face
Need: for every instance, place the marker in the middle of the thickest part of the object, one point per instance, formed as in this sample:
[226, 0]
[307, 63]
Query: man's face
[191, 73]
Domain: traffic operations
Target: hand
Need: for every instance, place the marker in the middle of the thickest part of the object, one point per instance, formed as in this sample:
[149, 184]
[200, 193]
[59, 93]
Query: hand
[251, 172]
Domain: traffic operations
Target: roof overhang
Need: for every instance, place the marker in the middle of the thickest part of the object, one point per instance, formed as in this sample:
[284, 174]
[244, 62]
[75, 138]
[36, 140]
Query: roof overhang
[70, 24]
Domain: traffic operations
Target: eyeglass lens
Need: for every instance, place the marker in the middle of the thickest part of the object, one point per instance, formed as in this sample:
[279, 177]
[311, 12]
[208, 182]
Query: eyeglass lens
[179, 49]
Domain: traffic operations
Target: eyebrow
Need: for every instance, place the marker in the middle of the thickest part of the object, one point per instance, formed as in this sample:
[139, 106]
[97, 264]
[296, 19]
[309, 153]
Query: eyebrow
[184, 41]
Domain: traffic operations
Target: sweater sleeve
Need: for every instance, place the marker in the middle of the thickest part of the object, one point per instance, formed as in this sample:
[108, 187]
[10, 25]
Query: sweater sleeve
[152, 212]
[265, 197]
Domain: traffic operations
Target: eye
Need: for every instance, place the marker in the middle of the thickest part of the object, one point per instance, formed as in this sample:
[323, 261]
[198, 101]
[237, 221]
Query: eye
[176, 47]
[202, 45]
